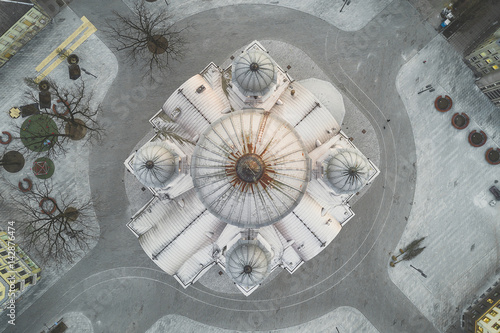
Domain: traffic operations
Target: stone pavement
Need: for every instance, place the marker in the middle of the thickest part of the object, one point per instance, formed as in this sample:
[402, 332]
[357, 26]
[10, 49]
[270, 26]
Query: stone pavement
[352, 18]
[344, 319]
[450, 207]
[71, 177]
[364, 66]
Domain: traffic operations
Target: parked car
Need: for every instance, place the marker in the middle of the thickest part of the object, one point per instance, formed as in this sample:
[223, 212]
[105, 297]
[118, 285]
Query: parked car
[496, 192]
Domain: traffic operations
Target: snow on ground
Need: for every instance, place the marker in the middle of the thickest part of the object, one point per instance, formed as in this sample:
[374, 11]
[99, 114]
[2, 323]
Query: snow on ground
[77, 322]
[71, 176]
[451, 198]
[344, 319]
[352, 18]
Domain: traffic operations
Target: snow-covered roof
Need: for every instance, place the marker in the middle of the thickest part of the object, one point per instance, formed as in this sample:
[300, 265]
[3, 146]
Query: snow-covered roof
[244, 196]
[248, 263]
[309, 228]
[194, 106]
[312, 121]
[347, 171]
[250, 168]
[155, 164]
[177, 230]
[254, 72]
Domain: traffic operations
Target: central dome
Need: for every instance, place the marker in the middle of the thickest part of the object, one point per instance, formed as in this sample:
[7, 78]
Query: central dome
[250, 168]
[254, 72]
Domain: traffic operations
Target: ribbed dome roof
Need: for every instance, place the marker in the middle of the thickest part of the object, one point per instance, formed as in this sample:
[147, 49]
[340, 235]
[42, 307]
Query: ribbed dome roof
[253, 72]
[347, 171]
[248, 263]
[155, 164]
[250, 168]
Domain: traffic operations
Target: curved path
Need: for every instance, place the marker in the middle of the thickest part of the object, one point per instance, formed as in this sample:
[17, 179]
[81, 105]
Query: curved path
[120, 290]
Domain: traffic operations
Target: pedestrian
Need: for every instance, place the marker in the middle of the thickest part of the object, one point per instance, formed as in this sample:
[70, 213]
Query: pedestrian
[388, 120]
[384, 127]
[425, 61]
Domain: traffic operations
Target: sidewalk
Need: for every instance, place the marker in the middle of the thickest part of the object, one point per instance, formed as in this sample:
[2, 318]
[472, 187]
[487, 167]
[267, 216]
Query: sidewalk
[344, 320]
[71, 175]
[352, 18]
[451, 199]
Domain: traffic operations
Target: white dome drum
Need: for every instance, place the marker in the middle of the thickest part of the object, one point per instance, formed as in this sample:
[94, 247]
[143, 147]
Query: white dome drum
[250, 168]
[347, 171]
[254, 72]
[155, 164]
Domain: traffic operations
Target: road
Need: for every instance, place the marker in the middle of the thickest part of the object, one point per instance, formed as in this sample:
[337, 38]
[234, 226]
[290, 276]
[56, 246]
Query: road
[120, 290]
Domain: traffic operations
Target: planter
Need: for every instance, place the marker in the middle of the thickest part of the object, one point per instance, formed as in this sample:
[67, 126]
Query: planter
[43, 168]
[57, 108]
[13, 161]
[44, 202]
[493, 156]
[443, 104]
[25, 189]
[76, 130]
[9, 138]
[460, 120]
[44, 85]
[73, 59]
[37, 127]
[477, 139]
[157, 44]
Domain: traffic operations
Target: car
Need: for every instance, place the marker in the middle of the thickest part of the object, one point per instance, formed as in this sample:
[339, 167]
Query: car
[496, 192]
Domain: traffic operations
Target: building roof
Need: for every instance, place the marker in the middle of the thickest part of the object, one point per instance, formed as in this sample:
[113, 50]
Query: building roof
[10, 13]
[155, 164]
[246, 203]
[250, 168]
[248, 263]
[347, 171]
[254, 72]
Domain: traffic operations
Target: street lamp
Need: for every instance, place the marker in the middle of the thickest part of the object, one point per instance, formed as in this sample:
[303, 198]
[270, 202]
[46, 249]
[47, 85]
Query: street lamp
[419, 270]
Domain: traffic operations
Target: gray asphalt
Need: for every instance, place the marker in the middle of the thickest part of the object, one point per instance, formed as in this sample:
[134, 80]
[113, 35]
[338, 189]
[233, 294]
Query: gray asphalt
[120, 290]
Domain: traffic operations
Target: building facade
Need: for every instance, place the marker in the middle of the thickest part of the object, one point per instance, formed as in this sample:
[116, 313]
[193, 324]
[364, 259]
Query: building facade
[484, 315]
[19, 23]
[490, 86]
[485, 58]
[17, 270]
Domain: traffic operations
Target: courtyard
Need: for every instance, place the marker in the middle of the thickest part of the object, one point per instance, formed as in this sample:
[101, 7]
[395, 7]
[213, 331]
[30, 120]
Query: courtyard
[433, 183]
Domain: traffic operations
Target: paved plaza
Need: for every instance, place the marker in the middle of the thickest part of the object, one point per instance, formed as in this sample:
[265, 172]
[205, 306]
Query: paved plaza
[378, 54]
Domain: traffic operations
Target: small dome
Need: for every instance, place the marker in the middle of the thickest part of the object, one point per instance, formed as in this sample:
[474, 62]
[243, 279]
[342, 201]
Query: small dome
[347, 171]
[248, 263]
[155, 164]
[253, 72]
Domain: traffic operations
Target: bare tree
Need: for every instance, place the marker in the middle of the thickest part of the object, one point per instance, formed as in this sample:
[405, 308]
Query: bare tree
[74, 110]
[55, 230]
[148, 36]
[74, 115]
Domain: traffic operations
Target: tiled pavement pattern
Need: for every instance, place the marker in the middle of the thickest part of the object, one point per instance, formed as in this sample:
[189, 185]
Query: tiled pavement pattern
[461, 244]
